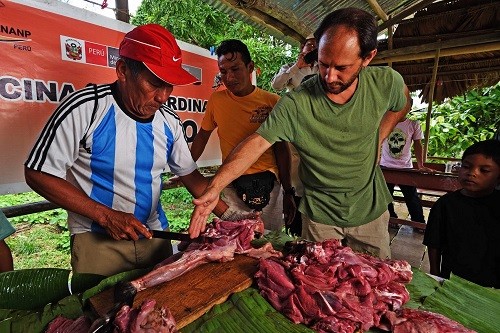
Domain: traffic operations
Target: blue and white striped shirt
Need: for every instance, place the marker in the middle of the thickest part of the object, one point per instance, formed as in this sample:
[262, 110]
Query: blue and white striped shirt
[115, 158]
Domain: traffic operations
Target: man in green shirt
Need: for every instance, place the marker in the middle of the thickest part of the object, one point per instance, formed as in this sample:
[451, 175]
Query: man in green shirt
[337, 122]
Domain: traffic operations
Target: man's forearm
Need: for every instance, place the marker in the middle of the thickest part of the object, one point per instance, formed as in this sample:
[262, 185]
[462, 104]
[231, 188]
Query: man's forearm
[196, 184]
[434, 261]
[391, 119]
[65, 195]
[239, 160]
[419, 154]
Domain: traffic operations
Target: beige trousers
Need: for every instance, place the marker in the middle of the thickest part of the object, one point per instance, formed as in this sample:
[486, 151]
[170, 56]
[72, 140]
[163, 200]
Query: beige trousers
[100, 254]
[372, 238]
[272, 214]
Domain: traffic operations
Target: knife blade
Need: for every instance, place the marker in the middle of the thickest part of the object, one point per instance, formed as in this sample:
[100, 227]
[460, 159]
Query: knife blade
[178, 236]
[105, 323]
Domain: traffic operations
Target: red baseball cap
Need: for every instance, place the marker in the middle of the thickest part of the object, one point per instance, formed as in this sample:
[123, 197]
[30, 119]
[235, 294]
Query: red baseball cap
[157, 49]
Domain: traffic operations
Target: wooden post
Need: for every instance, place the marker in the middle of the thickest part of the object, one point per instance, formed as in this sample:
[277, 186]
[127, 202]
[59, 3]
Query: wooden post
[122, 13]
[390, 40]
[430, 100]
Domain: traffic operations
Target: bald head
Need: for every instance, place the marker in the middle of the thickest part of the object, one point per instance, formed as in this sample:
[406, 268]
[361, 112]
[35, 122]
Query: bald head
[355, 20]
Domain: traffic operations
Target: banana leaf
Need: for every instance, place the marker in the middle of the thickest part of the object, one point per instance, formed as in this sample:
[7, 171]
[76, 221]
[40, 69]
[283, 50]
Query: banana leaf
[112, 280]
[22, 321]
[246, 311]
[29, 289]
[30, 299]
[473, 306]
[421, 286]
[276, 238]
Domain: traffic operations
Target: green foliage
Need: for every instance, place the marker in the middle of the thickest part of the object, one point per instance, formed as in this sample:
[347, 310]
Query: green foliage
[177, 204]
[195, 22]
[462, 121]
[42, 239]
[39, 245]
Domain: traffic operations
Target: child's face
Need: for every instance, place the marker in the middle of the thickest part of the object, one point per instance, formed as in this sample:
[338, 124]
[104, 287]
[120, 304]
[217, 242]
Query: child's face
[478, 175]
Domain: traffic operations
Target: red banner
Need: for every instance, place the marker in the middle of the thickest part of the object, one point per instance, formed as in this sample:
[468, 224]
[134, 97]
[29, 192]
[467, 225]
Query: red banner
[50, 49]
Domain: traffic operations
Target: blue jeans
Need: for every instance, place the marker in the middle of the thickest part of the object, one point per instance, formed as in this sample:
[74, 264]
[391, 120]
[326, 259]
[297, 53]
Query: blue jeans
[412, 201]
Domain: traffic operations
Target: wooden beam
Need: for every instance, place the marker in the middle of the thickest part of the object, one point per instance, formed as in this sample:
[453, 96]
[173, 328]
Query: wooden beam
[458, 43]
[481, 67]
[378, 10]
[29, 208]
[426, 39]
[41, 206]
[273, 16]
[405, 13]
[487, 47]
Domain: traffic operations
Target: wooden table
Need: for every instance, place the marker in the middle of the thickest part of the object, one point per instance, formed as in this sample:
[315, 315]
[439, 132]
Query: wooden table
[435, 184]
[439, 181]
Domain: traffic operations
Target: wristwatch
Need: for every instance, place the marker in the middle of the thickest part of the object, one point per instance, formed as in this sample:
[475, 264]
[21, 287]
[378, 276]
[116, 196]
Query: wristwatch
[290, 191]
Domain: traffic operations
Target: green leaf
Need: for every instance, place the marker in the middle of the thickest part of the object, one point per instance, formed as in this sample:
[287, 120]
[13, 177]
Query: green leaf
[22, 321]
[29, 289]
[473, 306]
[112, 280]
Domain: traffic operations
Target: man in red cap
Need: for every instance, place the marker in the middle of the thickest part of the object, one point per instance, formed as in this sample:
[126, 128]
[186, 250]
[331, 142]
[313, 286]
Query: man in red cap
[103, 152]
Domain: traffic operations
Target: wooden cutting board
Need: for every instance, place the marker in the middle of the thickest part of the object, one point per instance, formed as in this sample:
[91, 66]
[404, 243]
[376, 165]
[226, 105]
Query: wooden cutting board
[191, 295]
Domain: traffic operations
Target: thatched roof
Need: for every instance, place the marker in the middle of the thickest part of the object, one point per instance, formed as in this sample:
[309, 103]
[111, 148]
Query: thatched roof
[464, 33]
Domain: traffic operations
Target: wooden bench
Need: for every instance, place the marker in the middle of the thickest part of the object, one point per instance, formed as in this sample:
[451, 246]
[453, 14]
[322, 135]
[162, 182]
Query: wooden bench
[433, 184]
[421, 193]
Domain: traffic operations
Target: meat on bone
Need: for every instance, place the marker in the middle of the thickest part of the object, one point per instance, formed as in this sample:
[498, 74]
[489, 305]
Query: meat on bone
[188, 261]
[230, 237]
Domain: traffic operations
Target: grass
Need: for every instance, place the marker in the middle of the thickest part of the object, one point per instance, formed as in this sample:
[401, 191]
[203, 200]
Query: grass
[36, 246]
[42, 239]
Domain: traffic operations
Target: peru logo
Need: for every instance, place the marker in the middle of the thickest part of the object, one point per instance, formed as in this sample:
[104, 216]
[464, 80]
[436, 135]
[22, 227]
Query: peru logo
[73, 49]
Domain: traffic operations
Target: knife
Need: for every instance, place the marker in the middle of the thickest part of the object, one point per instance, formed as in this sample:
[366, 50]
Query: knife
[179, 236]
[105, 323]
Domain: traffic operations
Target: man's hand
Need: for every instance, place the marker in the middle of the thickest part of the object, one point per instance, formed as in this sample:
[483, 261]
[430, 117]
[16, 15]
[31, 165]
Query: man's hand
[119, 225]
[124, 226]
[203, 207]
[426, 169]
[301, 62]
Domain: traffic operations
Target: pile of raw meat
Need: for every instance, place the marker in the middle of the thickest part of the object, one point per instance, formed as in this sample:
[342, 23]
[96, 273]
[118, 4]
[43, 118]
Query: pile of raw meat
[330, 288]
[148, 318]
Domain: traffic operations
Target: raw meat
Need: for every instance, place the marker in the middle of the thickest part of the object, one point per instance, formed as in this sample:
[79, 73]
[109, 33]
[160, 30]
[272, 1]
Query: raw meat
[148, 319]
[331, 288]
[64, 325]
[190, 260]
[419, 321]
[230, 237]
